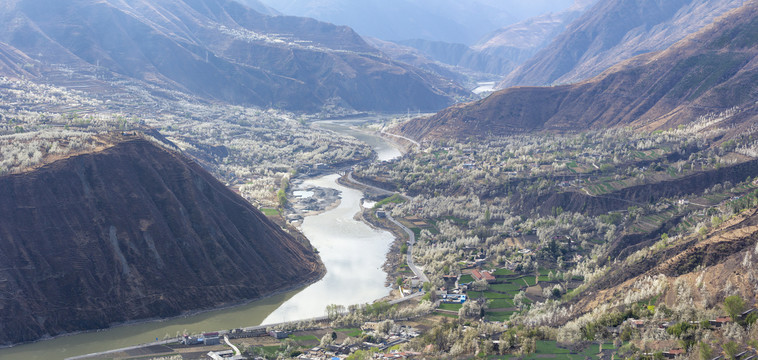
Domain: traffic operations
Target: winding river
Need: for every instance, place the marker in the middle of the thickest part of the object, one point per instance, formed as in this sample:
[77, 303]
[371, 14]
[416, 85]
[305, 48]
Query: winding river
[352, 252]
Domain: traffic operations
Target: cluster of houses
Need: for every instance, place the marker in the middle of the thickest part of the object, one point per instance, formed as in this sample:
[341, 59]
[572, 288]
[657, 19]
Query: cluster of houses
[225, 355]
[327, 353]
[398, 335]
[482, 275]
[714, 323]
[207, 339]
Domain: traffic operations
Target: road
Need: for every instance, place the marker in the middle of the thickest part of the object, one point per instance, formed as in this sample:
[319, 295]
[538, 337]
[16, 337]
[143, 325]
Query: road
[378, 190]
[414, 142]
[409, 255]
[411, 236]
[236, 350]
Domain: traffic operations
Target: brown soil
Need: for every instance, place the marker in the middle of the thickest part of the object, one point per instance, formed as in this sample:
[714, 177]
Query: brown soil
[132, 232]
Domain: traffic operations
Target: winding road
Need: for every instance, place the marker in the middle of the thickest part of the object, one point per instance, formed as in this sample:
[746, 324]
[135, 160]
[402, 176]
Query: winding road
[409, 255]
[411, 236]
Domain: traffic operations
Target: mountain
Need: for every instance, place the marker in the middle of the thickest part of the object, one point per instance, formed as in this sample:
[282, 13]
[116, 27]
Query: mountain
[519, 42]
[416, 58]
[711, 71]
[462, 56]
[219, 50]
[613, 31]
[15, 63]
[702, 263]
[132, 231]
[499, 52]
[436, 20]
[260, 7]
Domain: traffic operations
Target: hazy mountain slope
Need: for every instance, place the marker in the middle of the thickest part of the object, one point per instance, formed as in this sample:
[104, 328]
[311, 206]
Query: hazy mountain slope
[131, 232]
[221, 50]
[259, 7]
[501, 51]
[612, 31]
[14, 62]
[462, 56]
[711, 71]
[518, 42]
[414, 57]
[437, 20]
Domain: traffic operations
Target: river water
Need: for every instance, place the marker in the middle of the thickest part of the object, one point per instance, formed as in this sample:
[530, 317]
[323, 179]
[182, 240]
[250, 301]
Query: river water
[352, 252]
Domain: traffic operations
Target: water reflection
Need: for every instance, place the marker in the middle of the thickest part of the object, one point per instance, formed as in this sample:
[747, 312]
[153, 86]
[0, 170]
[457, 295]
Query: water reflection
[352, 251]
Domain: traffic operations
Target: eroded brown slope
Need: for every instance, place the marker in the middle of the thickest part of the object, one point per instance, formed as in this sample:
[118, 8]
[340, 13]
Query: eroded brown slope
[697, 270]
[711, 71]
[131, 232]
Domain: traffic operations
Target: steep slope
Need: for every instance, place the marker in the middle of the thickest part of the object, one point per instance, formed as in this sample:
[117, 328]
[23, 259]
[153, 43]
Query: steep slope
[517, 43]
[131, 232]
[15, 63]
[692, 273]
[496, 54]
[414, 57]
[711, 71]
[260, 7]
[221, 50]
[463, 56]
[613, 31]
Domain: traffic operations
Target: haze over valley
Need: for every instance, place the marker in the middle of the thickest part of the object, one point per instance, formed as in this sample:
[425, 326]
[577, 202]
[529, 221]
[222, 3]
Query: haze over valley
[274, 179]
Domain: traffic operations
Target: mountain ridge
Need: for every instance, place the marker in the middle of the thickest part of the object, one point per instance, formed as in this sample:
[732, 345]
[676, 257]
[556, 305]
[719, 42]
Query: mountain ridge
[134, 231]
[710, 71]
[221, 50]
[613, 31]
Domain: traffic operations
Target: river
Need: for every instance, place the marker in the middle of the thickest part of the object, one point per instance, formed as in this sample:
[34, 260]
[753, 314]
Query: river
[352, 252]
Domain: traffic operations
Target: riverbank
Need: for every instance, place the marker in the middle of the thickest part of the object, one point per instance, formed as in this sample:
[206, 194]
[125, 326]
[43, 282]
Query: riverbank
[352, 251]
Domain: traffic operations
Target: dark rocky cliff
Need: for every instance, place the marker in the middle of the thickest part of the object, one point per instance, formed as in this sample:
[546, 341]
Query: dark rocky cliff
[132, 232]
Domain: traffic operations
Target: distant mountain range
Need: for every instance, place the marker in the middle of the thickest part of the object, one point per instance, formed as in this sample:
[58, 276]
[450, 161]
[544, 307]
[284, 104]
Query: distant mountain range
[451, 21]
[131, 232]
[613, 31]
[503, 50]
[218, 50]
[711, 71]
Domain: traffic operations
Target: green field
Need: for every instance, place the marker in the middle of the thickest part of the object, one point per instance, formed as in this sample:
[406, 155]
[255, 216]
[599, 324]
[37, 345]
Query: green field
[397, 199]
[450, 307]
[506, 287]
[304, 338]
[498, 316]
[464, 279]
[503, 272]
[550, 350]
[501, 303]
[270, 211]
[445, 314]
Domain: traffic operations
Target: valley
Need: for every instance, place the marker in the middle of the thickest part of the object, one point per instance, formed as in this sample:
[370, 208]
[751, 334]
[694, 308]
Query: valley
[219, 179]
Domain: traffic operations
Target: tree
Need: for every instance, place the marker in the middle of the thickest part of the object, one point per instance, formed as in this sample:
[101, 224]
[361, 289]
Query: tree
[528, 345]
[705, 351]
[730, 349]
[326, 340]
[734, 306]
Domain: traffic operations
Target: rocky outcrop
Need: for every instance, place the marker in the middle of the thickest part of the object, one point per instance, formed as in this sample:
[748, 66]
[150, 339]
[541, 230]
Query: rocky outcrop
[131, 232]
